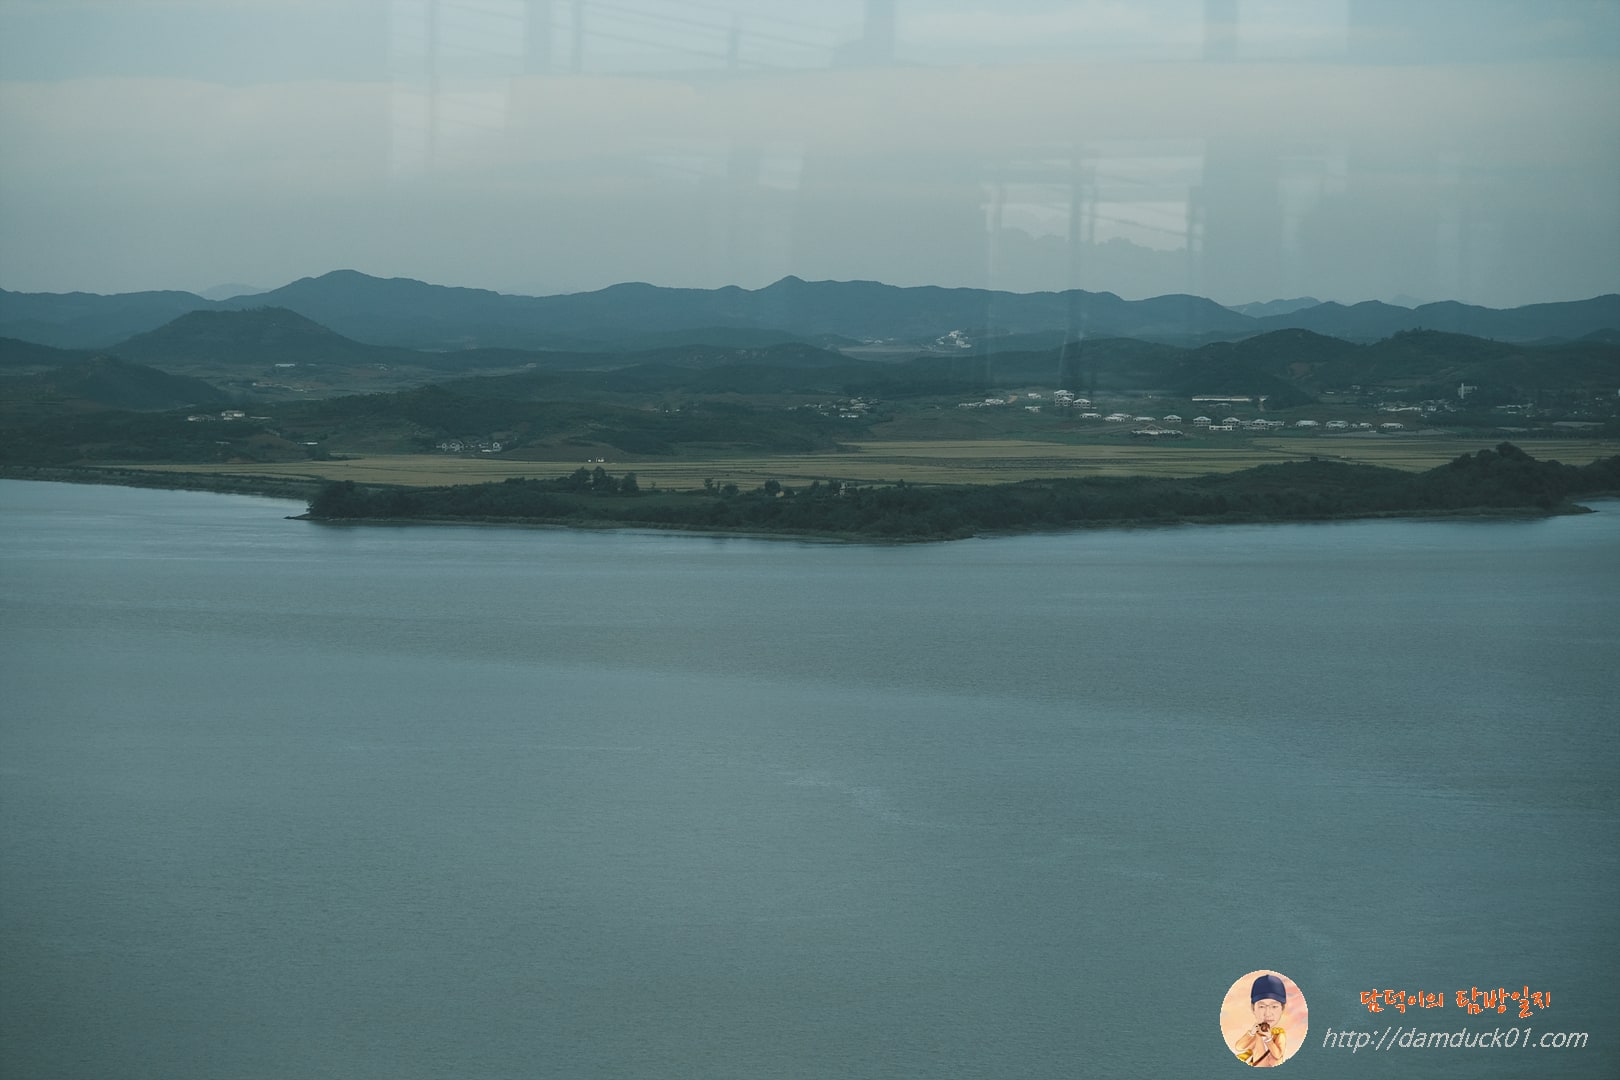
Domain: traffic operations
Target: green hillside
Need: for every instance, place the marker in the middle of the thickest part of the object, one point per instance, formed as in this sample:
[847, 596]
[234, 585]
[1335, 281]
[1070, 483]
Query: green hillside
[107, 382]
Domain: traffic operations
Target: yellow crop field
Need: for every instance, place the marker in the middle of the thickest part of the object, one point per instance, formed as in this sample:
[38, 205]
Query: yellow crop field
[925, 462]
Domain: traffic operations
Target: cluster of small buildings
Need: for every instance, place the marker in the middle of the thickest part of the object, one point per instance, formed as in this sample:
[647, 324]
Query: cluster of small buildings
[1127, 418]
[1234, 423]
[1171, 425]
[846, 409]
[1061, 399]
[460, 446]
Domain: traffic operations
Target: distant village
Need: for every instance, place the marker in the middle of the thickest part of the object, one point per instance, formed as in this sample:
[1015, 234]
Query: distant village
[1216, 414]
[1175, 426]
[1142, 426]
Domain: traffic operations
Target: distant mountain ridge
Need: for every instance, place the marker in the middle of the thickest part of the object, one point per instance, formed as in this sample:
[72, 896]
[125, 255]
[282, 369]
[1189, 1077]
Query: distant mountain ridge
[1285, 364]
[229, 291]
[1260, 310]
[80, 320]
[1372, 320]
[401, 312]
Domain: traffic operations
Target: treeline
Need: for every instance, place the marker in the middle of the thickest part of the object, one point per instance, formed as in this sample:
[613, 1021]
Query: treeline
[1502, 479]
[516, 498]
[423, 416]
[119, 436]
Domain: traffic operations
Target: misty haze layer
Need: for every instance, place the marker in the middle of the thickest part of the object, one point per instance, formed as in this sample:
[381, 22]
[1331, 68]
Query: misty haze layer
[1339, 150]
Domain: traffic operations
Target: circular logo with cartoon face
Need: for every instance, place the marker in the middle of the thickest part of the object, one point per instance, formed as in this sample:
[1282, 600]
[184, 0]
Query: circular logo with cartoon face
[1263, 1018]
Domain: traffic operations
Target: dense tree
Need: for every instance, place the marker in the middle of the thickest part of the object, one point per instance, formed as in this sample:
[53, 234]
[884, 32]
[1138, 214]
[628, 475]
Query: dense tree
[1504, 478]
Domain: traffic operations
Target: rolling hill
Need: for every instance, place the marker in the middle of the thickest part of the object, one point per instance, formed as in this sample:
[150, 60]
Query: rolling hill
[253, 337]
[108, 382]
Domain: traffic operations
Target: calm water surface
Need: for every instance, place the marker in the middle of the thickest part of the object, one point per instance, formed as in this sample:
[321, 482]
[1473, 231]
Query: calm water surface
[282, 800]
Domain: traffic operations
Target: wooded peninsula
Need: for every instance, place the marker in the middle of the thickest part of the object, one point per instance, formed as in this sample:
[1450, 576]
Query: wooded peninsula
[1500, 481]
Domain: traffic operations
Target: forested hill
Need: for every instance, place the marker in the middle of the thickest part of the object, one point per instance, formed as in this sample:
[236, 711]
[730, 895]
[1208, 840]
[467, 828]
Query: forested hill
[106, 382]
[256, 337]
[1504, 479]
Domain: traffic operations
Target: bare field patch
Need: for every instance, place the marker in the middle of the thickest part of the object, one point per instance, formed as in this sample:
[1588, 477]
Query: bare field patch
[416, 470]
[980, 461]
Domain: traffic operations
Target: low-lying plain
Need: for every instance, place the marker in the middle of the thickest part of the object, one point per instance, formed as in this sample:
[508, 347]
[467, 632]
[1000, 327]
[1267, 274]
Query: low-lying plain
[941, 462]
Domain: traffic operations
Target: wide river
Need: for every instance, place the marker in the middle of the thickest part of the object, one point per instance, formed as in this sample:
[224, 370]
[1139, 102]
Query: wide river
[280, 800]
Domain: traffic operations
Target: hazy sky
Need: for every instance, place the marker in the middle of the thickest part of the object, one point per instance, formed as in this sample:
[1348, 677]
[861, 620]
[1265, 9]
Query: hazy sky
[1239, 149]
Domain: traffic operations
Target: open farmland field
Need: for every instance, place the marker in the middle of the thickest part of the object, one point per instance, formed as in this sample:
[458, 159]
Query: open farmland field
[934, 462]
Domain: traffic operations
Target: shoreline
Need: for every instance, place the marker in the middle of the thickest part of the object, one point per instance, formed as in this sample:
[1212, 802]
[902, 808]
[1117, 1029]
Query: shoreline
[273, 487]
[296, 490]
[1481, 513]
